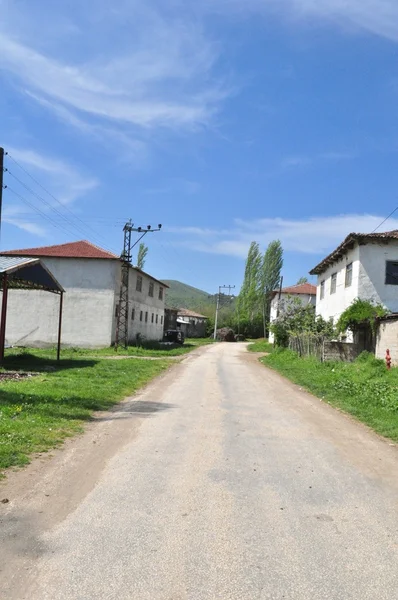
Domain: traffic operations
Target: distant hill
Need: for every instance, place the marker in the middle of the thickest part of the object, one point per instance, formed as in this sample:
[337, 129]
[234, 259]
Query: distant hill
[181, 295]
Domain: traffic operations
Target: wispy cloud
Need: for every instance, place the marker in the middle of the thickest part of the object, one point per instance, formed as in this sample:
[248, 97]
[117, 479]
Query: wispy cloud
[28, 170]
[315, 235]
[303, 160]
[378, 17]
[154, 69]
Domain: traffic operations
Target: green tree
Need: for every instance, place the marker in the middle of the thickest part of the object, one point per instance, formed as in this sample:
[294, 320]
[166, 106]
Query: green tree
[302, 280]
[297, 318]
[270, 277]
[248, 304]
[141, 257]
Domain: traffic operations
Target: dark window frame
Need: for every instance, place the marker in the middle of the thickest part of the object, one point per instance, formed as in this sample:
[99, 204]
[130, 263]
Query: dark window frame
[348, 275]
[151, 289]
[133, 314]
[392, 277]
[157, 319]
[322, 290]
[141, 315]
[153, 317]
[333, 283]
[138, 285]
[146, 316]
[160, 293]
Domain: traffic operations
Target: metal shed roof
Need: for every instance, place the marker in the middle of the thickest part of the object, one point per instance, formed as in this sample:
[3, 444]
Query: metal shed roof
[27, 274]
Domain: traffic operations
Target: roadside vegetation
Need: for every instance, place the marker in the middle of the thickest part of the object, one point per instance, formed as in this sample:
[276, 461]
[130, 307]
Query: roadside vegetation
[47, 402]
[261, 346]
[364, 389]
[148, 349]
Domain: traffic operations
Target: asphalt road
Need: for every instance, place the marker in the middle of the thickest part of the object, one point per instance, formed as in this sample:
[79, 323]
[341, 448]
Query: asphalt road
[234, 485]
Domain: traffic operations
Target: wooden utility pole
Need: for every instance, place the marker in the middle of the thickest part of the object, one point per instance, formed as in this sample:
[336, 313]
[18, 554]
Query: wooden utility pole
[1, 185]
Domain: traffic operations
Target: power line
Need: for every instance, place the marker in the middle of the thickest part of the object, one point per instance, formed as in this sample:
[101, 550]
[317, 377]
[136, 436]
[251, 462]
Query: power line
[63, 206]
[36, 209]
[386, 219]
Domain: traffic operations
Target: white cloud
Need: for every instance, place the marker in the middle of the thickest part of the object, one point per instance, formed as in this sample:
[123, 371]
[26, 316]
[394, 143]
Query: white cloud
[64, 182]
[379, 17]
[315, 235]
[153, 69]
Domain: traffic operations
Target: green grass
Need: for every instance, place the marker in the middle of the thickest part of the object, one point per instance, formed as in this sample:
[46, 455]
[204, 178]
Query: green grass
[261, 346]
[38, 413]
[154, 350]
[364, 389]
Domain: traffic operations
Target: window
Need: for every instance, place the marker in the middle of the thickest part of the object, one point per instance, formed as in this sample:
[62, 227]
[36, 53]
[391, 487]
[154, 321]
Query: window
[160, 293]
[146, 317]
[391, 272]
[133, 314]
[322, 290]
[141, 314]
[153, 318]
[333, 283]
[348, 275]
[151, 289]
[138, 287]
[157, 317]
[161, 320]
[116, 310]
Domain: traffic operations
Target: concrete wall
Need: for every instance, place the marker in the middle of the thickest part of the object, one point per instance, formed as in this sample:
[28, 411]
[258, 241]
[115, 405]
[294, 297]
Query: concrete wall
[32, 316]
[387, 338]
[333, 305]
[339, 351]
[192, 327]
[141, 302]
[282, 303]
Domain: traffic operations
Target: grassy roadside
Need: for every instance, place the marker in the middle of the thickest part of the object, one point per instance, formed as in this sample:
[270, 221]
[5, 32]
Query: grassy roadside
[72, 353]
[39, 412]
[261, 346]
[364, 389]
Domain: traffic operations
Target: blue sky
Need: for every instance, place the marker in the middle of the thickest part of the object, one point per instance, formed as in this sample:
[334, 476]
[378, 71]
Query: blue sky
[234, 121]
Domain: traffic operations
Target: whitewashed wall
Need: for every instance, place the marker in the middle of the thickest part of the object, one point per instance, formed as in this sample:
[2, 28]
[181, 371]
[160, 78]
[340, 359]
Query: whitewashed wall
[32, 316]
[333, 305]
[372, 274]
[141, 301]
[304, 298]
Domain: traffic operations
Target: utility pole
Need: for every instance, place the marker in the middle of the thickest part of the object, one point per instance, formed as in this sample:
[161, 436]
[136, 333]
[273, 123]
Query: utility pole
[122, 324]
[218, 305]
[1, 185]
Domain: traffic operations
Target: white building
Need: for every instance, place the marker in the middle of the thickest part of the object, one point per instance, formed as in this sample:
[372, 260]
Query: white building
[364, 266]
[91, 278]
[304, 293]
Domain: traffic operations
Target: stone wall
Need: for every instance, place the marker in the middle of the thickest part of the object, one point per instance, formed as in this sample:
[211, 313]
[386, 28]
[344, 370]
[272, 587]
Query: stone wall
[387, 337]
[341, 351]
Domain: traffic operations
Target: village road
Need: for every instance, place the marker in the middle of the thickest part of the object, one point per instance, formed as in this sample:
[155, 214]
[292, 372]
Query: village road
[235, 484]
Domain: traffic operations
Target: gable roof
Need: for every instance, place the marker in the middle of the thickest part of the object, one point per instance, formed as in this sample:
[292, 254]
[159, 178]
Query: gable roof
[348, 243]
[184, 312]
[141, 272]
[303, 289]
[80, 249]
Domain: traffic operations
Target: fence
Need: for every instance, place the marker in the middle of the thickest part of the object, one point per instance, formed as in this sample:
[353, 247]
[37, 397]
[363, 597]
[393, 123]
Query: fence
[323, 349]
[307, 345]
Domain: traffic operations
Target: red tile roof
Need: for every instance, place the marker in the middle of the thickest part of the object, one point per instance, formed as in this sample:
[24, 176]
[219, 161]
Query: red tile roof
[81, 249]
[184, 312]
[361, 238]
[302, 288]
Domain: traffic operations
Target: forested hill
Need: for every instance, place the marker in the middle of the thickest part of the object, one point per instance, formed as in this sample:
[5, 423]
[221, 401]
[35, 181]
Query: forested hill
[181, 295]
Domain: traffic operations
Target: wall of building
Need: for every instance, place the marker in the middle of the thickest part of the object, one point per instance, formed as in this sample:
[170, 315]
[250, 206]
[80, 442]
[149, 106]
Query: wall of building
[339, 351]
[280, 304]
[372, 275]
[150, 326]
[32, 316]
[192, 327]
[387, 338]
[333, 305]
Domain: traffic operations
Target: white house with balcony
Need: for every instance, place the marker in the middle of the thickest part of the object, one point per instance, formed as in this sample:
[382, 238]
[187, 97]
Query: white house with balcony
[303, 292]
[364, 266]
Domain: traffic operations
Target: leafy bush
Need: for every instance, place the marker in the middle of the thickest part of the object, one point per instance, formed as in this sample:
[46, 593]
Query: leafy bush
[361, 313]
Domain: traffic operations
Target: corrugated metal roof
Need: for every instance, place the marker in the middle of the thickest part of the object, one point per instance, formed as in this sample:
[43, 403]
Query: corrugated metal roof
[10, 262]
[28, 273]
